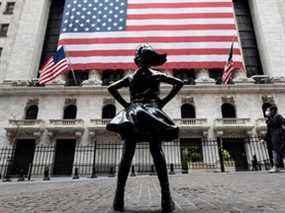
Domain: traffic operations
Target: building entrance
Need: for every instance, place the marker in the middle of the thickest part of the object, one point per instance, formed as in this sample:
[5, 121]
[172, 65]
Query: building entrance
[23, 156]
[234, 149]
[64, 156]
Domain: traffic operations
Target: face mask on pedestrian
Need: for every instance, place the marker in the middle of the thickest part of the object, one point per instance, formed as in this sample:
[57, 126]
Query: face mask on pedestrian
[267, 112]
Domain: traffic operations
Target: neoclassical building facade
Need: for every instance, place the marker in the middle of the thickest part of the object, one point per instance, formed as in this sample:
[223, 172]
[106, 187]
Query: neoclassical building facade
[68, 114]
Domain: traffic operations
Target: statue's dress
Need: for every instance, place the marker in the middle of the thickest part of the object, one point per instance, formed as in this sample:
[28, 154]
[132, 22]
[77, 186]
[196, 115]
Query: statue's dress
[144, 119]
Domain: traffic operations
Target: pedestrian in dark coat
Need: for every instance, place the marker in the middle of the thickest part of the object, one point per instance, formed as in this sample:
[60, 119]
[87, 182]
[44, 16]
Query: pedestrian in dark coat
[275, 135]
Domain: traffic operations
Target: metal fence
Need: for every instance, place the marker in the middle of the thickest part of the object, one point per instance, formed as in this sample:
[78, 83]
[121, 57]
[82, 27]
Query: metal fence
[103, 159]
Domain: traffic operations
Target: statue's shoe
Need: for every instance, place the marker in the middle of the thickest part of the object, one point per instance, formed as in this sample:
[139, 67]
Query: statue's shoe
[118, 203]
[167, 204]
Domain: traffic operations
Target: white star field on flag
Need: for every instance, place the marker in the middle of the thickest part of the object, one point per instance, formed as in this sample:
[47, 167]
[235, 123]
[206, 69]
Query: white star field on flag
[94, 16]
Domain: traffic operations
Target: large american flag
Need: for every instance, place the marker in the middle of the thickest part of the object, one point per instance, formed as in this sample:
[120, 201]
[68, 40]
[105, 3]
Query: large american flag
[103, 34]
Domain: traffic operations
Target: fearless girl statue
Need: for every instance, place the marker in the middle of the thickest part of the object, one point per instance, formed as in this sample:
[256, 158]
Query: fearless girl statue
[143, 120]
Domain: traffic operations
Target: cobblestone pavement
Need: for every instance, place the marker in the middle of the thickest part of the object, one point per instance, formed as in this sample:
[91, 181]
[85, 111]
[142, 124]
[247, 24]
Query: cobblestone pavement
[197, 192]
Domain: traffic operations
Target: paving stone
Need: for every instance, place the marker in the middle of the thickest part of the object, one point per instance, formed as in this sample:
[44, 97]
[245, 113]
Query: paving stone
[244, 192]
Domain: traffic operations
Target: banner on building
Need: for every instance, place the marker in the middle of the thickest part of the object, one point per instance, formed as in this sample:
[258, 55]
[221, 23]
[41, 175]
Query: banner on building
[103, 34]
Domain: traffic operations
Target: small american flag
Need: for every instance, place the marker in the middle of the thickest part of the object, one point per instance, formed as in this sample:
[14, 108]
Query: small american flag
[229, 67]
[55, 66]
[103, 34]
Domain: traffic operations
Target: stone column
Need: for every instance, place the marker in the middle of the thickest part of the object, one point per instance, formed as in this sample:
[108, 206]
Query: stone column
[270, 35]
[27, 48]
[94, 79]
[240, 78]
[203, 78]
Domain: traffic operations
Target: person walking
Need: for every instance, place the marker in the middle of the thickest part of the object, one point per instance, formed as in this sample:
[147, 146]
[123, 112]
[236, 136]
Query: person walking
[143, 120]
[275, 136]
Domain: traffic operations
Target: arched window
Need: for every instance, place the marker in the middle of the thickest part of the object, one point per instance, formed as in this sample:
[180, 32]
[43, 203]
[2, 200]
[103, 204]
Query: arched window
[32, 112]
[70, 112]
[228, 111]
[109, 111]
[264, 107]
[188, 111]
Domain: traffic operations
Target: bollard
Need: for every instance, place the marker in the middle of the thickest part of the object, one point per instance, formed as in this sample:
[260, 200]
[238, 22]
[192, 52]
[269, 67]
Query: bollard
[221, 154]
[152, 171]
[93, 175]
[171, 169]
[21, 175]
[30, 171]
[46, 173]
[112, 172]
[133, 173]
[76, 174]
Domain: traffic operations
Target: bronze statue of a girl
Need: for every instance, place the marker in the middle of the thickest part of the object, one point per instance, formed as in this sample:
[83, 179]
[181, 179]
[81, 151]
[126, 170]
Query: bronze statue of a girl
[144, 120]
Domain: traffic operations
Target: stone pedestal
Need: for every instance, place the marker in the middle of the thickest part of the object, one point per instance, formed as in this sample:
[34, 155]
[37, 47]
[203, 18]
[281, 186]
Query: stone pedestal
[58, 81]
[203, 78]
[240, 78]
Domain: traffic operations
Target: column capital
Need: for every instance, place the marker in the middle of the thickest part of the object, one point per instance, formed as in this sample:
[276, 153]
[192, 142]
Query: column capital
[203, 78]
[93, 80]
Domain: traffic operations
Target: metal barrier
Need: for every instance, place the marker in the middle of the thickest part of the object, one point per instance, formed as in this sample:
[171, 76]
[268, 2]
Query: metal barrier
[103, 159]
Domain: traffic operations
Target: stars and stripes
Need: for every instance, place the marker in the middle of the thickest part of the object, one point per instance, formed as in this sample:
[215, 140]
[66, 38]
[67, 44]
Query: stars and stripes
[55, 66]
[103, 34]
[229, 67]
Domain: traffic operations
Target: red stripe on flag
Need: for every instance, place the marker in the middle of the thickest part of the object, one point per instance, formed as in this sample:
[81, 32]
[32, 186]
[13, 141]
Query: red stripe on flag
[168, 65]
[180, 5]
[168, 51]
[79, 41]
[182, 27]
[180, 16]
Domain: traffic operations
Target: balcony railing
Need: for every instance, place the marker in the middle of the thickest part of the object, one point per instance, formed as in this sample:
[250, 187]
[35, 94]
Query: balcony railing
[99, 122]
[25, 128]
[25, 123]
[261, 126]
[66, 122]
[192, 122]
[260, 123]
[233, 123]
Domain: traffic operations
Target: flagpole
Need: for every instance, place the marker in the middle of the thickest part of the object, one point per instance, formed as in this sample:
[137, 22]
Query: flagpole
[71, 68]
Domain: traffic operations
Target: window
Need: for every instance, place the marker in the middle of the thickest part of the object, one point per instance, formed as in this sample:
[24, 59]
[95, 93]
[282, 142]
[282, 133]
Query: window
[109, 111]
[228, 111]
[187, 76]
[247, 38]
[110, 76]
[188, 111]
[76, 78]
[32, 112]
[70, 112]
[4, 30]
[9, 8]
